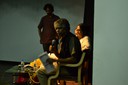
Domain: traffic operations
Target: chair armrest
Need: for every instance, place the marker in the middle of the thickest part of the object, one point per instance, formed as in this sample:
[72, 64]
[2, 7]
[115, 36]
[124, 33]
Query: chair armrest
[69, 65]
[77, 64]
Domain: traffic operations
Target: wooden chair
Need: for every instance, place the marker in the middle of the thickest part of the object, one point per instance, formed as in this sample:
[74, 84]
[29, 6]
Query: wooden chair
[77, 78]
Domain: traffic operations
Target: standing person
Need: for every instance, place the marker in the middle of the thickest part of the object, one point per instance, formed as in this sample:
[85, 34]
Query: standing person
[69, 51]
[46, 29]
[82, 33]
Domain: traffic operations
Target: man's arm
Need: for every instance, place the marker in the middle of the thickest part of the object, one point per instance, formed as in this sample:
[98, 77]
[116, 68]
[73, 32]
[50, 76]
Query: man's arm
[66, 60]
[40, 26]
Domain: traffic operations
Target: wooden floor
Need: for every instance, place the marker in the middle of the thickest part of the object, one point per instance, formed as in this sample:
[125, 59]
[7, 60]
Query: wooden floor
[71, 83]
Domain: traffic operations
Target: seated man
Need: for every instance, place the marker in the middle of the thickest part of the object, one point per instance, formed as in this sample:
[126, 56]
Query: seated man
[67, 51]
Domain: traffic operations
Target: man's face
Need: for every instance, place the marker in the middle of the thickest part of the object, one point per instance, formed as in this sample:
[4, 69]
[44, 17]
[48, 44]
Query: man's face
[48, 11]
[60, 31]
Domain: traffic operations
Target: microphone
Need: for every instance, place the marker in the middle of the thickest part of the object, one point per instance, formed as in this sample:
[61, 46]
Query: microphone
[53, 45]
[53, 42]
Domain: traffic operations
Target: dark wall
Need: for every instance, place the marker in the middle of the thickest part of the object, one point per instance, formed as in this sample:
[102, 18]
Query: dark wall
[89, 22]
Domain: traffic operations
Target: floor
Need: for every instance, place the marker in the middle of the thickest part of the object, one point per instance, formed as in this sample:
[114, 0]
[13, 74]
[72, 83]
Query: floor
[71, 83]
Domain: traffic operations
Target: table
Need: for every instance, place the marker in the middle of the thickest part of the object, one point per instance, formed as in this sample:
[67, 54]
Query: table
[21, 78]
[25, 77]
[18, 77]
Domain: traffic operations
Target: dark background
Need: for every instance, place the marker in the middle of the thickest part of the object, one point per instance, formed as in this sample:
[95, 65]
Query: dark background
[18, 25]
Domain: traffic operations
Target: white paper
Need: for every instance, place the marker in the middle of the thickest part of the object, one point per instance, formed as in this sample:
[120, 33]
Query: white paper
[48, 67]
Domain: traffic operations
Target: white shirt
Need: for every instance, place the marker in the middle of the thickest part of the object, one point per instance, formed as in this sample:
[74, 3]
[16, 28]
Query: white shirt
[85, 44]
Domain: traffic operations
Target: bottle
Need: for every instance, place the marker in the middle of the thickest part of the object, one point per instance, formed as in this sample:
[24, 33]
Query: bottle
[22, 65]
[35, 67]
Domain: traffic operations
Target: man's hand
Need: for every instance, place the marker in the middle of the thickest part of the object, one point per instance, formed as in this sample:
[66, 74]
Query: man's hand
[52, 49]
[49, 60]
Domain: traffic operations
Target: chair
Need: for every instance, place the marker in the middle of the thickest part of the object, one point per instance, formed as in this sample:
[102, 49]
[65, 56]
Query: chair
[73, 78]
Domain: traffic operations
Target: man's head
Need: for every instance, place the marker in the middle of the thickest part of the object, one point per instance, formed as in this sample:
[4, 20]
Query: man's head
[49, 8]
[62, 27]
